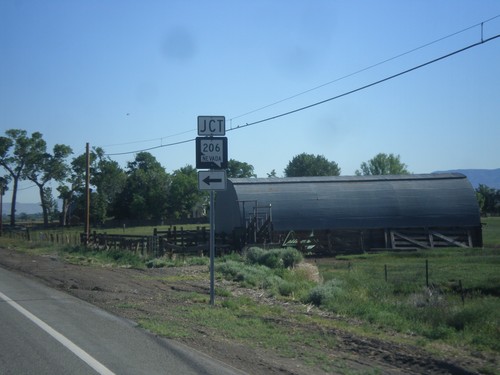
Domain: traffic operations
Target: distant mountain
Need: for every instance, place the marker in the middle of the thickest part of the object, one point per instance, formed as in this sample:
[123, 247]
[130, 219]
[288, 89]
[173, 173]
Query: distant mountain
[488, 177]
[27, 208]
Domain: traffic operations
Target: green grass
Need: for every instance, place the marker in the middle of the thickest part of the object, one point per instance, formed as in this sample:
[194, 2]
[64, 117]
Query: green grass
[245, 321]
[491, 232]
[177, 262]
[87, 256]
[460, 306]
[37, 248]
[164, 328]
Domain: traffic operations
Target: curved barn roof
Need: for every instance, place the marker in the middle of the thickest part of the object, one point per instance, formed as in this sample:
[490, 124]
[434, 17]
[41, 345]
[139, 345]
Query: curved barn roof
[403, 201]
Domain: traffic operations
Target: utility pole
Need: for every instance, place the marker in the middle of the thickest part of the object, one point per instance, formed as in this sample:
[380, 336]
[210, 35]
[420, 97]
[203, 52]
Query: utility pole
[87, 194]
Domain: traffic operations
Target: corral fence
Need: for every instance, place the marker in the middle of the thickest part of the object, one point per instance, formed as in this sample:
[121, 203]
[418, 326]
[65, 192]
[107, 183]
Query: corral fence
[170, 242]
[25, 233]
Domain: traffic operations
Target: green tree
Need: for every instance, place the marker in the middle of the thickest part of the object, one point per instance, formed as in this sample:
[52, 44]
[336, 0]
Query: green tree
[16, 150]
[311, 165]
[146, 190]
[50, 204]
[184, 194]
[383, 164]
[65, 194]
[488, 199]
[43, 167]
[239, 169]
[72, 190]
[109, 180]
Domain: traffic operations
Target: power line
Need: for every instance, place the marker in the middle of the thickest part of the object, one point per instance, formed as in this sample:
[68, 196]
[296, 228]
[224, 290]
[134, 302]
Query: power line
[150, 140]
[151, 148]
[368, 85]
[365, 69]
[483, 41]
[308, 90]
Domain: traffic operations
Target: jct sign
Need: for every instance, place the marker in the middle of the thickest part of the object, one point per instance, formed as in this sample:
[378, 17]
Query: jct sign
[211, 126]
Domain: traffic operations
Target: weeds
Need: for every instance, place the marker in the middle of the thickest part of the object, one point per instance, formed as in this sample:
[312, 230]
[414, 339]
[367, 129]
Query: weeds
[86, 255]
[449, 309]
[274, 258]
[268, 269]
[177, 262]
[460, 305]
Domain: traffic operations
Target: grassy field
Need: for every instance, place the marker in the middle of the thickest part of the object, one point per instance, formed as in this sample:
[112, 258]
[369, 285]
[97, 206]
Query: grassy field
[491, 232]
[429, 297]
[459, 305]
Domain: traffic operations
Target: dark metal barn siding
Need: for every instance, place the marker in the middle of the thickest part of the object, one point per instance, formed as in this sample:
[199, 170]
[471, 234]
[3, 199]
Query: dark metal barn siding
[361, 202]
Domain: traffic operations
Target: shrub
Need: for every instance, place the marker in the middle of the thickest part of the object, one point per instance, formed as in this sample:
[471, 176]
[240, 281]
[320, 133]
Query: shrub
[243, 273]
[287, 288]
[229, 269]
[291, 257]
[274, 258]
[327, 293]
[253, 255]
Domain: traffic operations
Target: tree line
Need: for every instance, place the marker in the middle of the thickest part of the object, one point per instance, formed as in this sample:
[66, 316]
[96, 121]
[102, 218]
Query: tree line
[488, 199]
[143, 190]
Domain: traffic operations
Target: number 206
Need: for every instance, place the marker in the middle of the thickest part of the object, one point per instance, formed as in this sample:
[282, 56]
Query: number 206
[210, 147]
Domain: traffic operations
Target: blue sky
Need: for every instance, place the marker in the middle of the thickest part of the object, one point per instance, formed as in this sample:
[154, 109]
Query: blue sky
[131, 75]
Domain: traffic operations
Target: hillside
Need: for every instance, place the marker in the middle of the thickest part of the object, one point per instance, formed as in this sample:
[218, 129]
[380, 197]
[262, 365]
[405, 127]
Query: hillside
[488, 177]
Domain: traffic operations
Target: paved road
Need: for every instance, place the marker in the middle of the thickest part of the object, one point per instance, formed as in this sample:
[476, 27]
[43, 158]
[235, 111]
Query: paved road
[44, 331]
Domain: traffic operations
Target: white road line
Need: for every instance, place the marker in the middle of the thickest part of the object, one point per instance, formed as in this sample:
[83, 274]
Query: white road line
[79, 352]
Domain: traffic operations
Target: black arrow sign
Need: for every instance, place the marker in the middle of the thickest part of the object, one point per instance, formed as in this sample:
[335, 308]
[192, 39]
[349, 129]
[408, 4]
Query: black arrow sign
[208, 180]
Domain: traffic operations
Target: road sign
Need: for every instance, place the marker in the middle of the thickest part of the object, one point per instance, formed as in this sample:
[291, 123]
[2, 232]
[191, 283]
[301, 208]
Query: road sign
[210, 126]
[212, 180]
[211, 153]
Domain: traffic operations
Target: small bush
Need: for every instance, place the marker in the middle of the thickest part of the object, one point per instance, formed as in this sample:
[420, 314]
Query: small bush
[253, 255]
[228, 269]
[272, 283]
[327, 293]
[287, 288]
[253, 276]
[274, 258]
[291, 257]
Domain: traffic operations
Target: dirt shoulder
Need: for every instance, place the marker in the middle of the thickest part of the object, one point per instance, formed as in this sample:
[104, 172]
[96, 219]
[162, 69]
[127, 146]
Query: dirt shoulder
[146, 293]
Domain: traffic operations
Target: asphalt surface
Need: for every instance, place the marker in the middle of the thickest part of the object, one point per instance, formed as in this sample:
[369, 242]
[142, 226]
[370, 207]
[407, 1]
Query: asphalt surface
[45, 331]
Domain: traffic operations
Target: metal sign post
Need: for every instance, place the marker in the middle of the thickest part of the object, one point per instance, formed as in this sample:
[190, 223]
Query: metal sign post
[211, 153]
[212, 248]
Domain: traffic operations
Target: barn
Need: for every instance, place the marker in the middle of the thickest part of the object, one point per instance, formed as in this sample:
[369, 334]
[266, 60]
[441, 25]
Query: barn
[346, 213]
